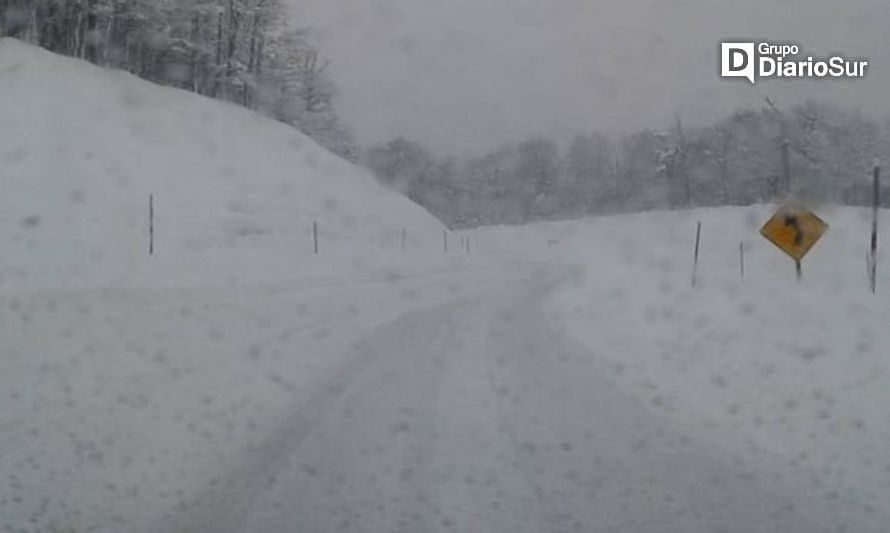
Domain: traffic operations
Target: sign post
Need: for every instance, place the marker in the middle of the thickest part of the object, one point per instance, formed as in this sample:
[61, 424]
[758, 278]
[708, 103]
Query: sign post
[794, 229]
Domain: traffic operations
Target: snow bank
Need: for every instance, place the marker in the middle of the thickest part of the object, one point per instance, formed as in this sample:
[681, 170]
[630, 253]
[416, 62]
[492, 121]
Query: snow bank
[82, 148]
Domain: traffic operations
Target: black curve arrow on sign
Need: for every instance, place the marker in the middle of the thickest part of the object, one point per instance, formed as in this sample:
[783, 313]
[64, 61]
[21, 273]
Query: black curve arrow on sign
[791, 220]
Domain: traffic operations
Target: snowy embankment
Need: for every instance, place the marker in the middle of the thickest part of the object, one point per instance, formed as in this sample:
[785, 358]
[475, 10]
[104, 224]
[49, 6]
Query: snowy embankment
[236, 195]
[130, 381]
[760, 364]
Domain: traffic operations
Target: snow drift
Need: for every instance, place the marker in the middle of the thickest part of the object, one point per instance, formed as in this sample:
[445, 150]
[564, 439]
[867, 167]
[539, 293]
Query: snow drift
[82, 148]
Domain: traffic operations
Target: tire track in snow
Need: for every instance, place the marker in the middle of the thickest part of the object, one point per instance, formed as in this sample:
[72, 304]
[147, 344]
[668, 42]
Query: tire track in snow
[226, 507]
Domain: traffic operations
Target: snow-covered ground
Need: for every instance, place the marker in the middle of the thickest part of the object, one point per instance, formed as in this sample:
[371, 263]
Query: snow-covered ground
[761, 364]
[563, 377]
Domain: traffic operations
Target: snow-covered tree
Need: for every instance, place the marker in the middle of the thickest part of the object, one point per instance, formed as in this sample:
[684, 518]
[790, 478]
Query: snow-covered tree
[401, 163]
[242, 51]
[304, 94]
[536, 175]
[590, 171]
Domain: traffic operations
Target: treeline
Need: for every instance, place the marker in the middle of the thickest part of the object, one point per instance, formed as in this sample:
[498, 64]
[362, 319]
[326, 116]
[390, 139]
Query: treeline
[815, 152]
[241, 51]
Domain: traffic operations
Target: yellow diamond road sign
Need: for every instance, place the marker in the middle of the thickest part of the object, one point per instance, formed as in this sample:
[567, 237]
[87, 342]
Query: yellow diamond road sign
[794, 229]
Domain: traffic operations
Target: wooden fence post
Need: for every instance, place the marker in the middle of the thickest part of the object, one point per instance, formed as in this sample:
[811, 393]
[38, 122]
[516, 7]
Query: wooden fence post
[151, 224]
[742, 258]
[315, 236]
[695, 255]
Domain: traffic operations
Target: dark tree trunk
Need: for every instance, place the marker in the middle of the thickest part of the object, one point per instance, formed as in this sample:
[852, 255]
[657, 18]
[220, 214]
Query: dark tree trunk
[217, 82]
[90, 38]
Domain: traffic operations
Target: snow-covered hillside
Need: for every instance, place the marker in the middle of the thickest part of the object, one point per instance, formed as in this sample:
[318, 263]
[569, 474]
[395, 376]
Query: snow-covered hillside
[82, 148]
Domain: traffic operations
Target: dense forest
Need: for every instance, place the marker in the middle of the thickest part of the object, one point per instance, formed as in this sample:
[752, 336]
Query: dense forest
[241, 51]
[813, 151]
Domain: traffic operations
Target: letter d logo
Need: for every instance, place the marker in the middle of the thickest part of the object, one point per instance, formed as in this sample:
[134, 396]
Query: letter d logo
[737, 61]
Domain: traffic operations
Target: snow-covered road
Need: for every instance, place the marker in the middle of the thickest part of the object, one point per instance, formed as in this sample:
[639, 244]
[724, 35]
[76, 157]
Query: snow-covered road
[478, 415]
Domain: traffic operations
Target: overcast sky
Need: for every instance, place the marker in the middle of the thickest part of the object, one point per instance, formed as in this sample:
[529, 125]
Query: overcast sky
[467, 75]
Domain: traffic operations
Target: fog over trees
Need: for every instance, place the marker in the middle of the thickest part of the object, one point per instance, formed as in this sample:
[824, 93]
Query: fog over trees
[242, 51]
[815, 152]
[248, 53]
